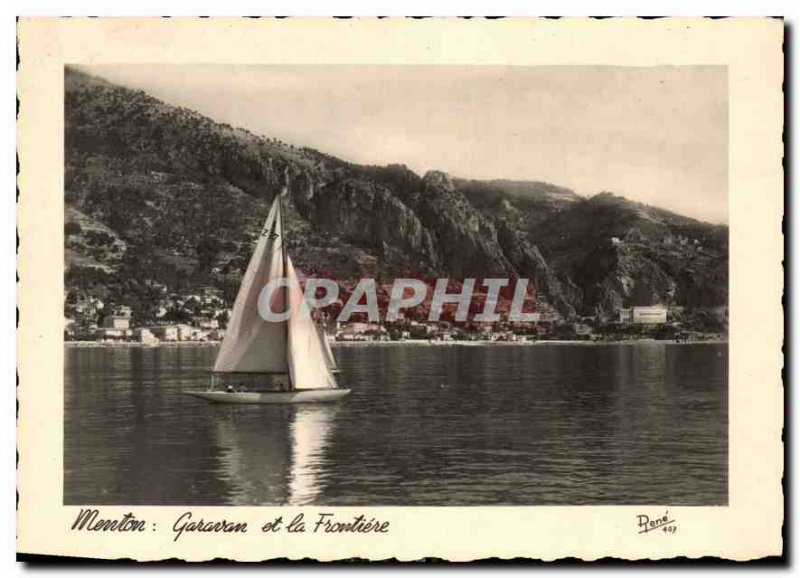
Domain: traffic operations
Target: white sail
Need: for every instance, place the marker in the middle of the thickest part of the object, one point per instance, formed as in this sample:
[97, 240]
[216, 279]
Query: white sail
[252, 344]
[308, 366]
[326, 348]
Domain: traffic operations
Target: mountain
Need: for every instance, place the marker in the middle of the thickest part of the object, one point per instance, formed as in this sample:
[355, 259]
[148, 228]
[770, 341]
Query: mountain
[160, 196]
[611, 252]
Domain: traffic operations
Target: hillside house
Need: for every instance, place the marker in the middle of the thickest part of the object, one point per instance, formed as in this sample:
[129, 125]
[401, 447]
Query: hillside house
[123, 311]
[119, 322]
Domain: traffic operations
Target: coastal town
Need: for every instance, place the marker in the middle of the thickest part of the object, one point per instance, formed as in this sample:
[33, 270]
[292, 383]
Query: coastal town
[202, 316]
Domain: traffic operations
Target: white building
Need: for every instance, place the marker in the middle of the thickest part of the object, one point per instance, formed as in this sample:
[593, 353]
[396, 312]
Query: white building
[122, 322]
[186, 332]
[208, 323]
[645, 315]
[112, 334]
[144, 335]
[165, 332]
[123, 311]
[358, 327]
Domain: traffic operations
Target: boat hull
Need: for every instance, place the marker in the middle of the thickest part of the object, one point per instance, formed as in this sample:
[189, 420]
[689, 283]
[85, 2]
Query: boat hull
[270, 397]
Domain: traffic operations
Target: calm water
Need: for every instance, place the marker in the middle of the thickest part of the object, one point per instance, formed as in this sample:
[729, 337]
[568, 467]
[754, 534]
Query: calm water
[638, 423]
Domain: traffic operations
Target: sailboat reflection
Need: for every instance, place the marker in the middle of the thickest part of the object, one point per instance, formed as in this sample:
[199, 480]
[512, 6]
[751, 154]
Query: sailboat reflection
[276, 457]
[310, 433]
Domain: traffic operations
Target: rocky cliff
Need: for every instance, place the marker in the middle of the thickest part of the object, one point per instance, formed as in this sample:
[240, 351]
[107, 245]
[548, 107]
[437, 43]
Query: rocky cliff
[157, 194]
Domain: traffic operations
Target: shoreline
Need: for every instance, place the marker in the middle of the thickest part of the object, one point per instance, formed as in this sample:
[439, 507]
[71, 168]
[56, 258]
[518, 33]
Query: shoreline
[407, 342]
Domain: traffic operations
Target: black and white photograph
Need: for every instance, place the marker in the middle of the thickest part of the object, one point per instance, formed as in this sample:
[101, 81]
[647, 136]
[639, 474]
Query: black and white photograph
[515, 282]
[400, 289]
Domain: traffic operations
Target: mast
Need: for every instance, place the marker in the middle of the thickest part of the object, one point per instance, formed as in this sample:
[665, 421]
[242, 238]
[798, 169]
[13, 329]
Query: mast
[280, 220]
[285, 272]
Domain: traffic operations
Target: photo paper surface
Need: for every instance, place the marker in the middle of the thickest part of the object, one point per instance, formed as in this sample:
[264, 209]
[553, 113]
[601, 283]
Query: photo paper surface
[400, 289]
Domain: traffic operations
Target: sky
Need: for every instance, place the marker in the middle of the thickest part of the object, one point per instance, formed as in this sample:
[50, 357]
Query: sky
[657, 135]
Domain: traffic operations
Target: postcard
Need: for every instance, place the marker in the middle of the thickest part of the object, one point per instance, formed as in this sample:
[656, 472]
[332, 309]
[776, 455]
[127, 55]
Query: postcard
[393, 288]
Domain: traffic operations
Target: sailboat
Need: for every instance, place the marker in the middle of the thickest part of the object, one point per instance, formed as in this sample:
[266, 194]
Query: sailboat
[263, 361]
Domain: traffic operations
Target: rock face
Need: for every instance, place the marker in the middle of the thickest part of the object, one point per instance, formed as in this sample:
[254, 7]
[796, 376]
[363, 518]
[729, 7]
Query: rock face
[369, 215]
[182, 198]
[525, 256]
[608, 252]
[466, 241]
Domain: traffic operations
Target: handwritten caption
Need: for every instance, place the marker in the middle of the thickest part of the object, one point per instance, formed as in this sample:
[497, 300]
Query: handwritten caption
[665, 523]
[91, 520]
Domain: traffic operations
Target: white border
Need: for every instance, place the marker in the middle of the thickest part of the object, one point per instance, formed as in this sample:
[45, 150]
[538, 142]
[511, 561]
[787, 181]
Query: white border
[788, 8]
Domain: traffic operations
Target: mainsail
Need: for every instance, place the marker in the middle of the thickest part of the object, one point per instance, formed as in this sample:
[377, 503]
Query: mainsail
[252, 344]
